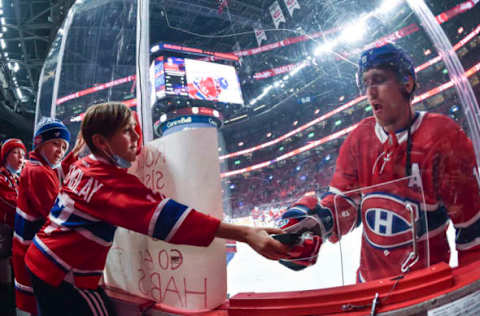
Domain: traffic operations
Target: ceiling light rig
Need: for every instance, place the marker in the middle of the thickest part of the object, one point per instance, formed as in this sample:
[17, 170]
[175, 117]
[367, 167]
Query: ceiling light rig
[351, 33]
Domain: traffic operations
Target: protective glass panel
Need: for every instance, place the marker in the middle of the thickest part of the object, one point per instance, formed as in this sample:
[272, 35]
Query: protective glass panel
[47, 80]
[95, 56]
[393, 228]
[301, 101]
[278, 82]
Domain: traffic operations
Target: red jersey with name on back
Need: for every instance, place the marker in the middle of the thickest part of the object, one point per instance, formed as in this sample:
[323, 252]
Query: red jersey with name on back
[96, 198]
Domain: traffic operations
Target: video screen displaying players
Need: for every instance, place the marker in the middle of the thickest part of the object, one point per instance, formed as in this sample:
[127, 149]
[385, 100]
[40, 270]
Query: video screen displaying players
[194, 79]
[212, 82]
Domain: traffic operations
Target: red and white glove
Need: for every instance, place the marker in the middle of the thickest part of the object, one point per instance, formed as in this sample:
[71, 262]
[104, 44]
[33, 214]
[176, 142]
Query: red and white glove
[303, 252]
[306, 224]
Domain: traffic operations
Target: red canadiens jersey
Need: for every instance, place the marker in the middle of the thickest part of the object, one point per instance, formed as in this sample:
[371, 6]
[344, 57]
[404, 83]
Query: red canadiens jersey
[38, 188]
[8, 196]
[370, 185]
[95, 199]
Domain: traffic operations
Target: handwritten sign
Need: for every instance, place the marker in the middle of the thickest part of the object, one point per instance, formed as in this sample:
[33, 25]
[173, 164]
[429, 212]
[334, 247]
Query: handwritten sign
[183, 166]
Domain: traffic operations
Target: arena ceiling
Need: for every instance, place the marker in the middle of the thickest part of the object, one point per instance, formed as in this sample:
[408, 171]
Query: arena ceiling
[28, 28]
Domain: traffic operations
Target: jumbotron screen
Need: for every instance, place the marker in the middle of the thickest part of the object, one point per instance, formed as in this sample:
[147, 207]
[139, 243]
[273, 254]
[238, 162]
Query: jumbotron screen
[199, 80]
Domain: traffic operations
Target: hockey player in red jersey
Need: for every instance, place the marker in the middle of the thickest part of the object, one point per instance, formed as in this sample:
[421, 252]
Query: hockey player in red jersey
[40, 182]
[68, 254]
[402, 174]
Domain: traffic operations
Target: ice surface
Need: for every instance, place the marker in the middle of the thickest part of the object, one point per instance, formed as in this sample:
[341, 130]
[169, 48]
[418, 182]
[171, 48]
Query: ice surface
[250, 272]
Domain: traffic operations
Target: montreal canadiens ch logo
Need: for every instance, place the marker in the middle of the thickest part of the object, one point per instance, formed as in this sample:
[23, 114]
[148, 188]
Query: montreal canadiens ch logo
[387, 222]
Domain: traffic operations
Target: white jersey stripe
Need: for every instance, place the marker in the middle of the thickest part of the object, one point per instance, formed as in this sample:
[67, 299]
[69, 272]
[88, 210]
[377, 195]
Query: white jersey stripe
[360, 276]
[27, 216]
[69, 207]
[52, 254]
[469, 245]
[23, 287]
[21, 240]
[469, 222]
[79, 271]
[403, 135]
[90, 236]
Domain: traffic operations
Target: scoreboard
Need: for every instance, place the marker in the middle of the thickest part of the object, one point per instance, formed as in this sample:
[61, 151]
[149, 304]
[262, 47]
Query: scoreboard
[194, 79]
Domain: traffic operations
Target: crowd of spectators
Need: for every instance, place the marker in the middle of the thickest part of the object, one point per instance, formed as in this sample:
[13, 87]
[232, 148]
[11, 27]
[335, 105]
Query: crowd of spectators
[278, 185]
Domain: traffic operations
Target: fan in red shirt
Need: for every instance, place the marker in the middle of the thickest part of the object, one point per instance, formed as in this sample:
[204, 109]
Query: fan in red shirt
[40, 182]
[11, 161]
[68, 254]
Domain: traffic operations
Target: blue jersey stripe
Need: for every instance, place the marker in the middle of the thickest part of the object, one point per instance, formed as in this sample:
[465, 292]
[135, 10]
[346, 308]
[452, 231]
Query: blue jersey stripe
[87, 273]
[102, 230]
[56, 208]
[27, 229]
[76, 221]
[168, 218]
[435, 220]
[468, 234]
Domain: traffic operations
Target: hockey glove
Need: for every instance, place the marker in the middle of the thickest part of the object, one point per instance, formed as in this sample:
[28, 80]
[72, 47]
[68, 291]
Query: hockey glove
[306, 224]
[303, 253]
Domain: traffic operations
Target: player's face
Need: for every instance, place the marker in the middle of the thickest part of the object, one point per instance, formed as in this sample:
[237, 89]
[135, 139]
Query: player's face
[15, 158]
[124, 141]
[384, 93]
[54, 150]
